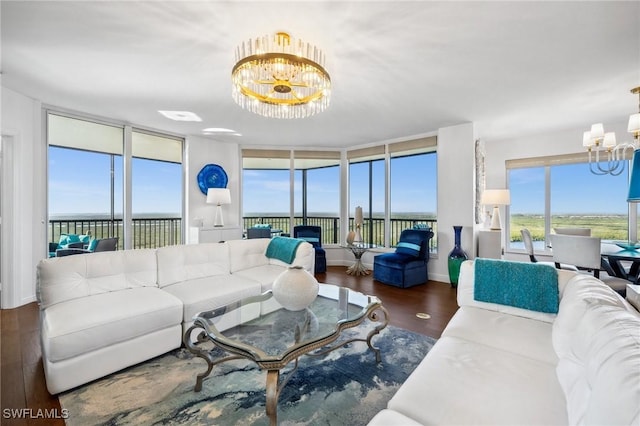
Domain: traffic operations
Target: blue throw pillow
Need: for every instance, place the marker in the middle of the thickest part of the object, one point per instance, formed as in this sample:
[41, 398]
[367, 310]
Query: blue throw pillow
[408, 248]
[92, 244]
[262, 225]
[521, 284]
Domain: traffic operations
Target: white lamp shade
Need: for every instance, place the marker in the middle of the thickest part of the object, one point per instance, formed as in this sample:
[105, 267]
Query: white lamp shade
[609, 140]
[634, 123]
[586, 139]
[218, 196]
[359, 216]
[597, 131]
[496, 197]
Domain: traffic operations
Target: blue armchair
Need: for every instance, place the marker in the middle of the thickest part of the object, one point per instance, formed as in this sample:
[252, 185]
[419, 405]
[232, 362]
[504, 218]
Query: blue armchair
[408, 265]
[313, 234]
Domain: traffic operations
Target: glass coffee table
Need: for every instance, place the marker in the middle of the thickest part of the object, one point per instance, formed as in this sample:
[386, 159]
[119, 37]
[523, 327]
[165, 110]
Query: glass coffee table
[273, 337]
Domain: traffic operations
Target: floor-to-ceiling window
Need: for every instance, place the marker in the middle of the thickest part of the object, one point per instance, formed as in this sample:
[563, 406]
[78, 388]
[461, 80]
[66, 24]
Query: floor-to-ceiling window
[560, 191]
[367, 190]
[317, 192]
[413, 178]
[266, 188]
[156, 189]
[283, 193]
[87, 187]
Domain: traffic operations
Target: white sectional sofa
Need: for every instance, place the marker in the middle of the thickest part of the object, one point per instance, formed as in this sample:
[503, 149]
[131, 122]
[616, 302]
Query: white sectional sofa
[103, 312]
[503, 365]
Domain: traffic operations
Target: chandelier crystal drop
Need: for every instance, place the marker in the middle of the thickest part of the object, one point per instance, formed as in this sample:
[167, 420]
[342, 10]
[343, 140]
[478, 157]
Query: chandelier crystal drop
[597, 141]
[280, 77]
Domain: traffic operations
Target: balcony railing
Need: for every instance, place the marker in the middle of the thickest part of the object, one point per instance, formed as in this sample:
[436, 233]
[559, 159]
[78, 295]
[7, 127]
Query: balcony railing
[372, 231]
[147, 232]
[159, 232]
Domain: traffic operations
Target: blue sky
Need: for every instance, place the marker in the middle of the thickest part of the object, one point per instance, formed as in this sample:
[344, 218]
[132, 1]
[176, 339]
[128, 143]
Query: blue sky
[79, 182]
[574, 189]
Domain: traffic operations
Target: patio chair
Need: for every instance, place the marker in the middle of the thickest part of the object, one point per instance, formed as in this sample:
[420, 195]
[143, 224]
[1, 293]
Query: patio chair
[313, 235]
[258, 233]
[103, 244]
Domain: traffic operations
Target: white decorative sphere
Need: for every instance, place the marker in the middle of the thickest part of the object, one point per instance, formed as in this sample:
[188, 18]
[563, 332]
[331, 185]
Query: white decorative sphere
[295, 289]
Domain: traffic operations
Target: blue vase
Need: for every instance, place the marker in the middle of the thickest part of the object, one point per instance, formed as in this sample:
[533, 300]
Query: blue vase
[456, 257]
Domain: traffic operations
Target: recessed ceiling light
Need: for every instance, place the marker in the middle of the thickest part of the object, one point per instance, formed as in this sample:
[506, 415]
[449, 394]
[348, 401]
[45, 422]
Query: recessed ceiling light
[180, 115]
[220, 131]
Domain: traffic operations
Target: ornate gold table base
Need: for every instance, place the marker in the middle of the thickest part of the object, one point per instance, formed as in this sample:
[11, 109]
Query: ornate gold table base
[358, 269]
[273, 384]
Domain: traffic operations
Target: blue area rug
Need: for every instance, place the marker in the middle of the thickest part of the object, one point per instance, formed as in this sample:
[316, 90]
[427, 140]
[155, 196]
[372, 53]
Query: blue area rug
[345, 387]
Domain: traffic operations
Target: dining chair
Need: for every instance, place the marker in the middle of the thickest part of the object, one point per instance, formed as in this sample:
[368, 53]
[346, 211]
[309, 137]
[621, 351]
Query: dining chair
[528, 246]
[584, 253]
[585, 232]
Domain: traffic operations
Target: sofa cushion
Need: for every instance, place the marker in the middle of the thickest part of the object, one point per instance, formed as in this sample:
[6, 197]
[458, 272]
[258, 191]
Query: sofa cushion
[597, 338]
[71, 277]
[265, 275]
[191, 261]
[467, 383]
[203, 294]
[509, 333]
[466, 291]
[84, 325]
[245, 254]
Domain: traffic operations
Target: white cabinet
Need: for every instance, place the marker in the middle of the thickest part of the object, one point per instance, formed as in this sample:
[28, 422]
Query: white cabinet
[490, 244]
[214, 235]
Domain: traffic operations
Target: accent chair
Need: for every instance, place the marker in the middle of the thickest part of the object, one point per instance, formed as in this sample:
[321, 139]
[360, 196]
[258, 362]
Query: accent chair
[407, 266]
[313, 235]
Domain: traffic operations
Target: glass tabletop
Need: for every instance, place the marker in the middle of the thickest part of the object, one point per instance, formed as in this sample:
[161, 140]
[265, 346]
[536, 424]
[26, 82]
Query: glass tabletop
[619, 249]
[269, 332]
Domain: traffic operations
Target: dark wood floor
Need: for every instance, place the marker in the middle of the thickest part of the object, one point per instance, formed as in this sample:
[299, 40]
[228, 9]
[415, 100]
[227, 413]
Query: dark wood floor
[22, 375]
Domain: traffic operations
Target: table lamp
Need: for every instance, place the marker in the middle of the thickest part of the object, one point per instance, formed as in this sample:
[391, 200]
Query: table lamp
[358, 222]
[218, 196]
[496, 198]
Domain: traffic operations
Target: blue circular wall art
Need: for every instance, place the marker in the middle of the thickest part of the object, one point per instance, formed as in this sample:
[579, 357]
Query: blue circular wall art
[212, 176]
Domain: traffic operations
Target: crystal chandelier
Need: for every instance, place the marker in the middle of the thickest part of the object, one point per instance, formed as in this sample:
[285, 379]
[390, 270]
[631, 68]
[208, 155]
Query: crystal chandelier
[280, 77]
[597, 140]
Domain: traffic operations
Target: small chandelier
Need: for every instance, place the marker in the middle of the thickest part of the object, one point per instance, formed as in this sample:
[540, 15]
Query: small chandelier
[597, 140]
[280, 77]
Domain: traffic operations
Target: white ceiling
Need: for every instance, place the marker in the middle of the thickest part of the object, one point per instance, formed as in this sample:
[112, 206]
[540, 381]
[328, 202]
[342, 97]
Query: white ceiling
[397, 68]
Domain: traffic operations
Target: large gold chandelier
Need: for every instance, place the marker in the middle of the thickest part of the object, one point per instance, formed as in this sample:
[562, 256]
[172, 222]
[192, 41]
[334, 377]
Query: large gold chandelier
[280, 77]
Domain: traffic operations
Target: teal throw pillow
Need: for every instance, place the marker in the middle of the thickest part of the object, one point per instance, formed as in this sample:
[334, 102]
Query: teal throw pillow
[92, 244]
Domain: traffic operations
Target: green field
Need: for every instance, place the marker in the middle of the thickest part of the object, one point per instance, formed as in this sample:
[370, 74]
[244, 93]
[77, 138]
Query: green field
[610, 227]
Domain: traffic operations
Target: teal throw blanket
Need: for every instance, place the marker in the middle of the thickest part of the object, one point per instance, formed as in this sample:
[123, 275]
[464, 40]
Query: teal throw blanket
[523, 285]
[283, 248]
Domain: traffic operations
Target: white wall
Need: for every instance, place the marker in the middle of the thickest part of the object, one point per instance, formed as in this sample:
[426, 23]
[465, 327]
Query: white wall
[456, 194]
[22, 121]
[200, 152]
